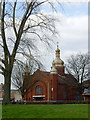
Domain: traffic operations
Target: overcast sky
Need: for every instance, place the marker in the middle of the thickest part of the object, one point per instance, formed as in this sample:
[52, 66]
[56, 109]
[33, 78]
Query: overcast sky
[73, 30]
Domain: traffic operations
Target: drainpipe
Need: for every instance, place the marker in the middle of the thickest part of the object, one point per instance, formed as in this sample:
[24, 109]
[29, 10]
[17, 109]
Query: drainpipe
[48, 91]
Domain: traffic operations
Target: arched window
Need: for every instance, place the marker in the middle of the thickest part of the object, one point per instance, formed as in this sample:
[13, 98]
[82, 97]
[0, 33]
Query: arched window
[38, 89]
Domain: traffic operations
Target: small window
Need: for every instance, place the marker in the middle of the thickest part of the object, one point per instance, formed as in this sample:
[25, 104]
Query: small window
[78, 96]
[64, 95]
[38, 89]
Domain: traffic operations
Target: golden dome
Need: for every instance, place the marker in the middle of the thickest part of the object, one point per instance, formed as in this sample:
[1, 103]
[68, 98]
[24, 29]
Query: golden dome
[58, 62]
[57, 50]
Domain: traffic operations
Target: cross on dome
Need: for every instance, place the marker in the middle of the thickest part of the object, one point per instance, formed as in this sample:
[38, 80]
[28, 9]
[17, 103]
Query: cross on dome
[57, 44]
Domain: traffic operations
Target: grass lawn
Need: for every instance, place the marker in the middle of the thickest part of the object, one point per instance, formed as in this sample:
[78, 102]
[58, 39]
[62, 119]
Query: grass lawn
[0, 111]
[45, 111]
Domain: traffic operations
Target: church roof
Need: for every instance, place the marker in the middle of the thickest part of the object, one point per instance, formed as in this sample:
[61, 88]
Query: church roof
[37, 76]
[68, 79]
[86, 83]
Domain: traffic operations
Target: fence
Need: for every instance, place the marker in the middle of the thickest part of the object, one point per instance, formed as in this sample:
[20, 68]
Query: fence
[53, 102]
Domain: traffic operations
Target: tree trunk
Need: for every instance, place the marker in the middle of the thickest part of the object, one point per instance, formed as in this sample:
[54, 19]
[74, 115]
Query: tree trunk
[7, 88]
[80, 91]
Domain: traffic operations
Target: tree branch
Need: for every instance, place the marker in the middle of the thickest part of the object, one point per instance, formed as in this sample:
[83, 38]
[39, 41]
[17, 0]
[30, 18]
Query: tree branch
[3, 61]
[6, 51]
[33, 7]
[20, 31]
[14, 18]
[2, 68]
[1, 45]
[1, 73]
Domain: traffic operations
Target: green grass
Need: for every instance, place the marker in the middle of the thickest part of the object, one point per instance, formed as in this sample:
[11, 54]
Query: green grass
[45, 111]
[0, 111]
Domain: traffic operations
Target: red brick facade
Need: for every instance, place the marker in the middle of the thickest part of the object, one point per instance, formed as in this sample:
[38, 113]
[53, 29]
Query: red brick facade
[52, 86]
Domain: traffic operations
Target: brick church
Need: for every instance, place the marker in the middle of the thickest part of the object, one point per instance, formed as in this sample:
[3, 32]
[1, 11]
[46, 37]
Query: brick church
[55, 85]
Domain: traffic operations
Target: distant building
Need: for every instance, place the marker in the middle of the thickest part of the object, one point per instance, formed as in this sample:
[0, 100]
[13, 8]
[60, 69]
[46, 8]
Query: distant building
[51, 86]
[15, 94]
[86, 93]
[1, 92]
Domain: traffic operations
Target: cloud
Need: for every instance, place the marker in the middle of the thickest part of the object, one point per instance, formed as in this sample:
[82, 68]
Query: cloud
[73, 37]
[74, 33]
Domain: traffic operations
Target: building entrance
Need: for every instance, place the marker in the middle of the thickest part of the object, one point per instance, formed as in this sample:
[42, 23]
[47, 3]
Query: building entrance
[39, 97]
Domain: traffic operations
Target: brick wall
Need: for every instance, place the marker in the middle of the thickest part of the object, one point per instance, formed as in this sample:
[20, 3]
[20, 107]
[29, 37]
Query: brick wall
[57, 91]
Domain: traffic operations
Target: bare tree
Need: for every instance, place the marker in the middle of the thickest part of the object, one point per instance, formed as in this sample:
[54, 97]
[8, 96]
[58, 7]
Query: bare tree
[22, 25]
[27, 69]
[77, 65]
